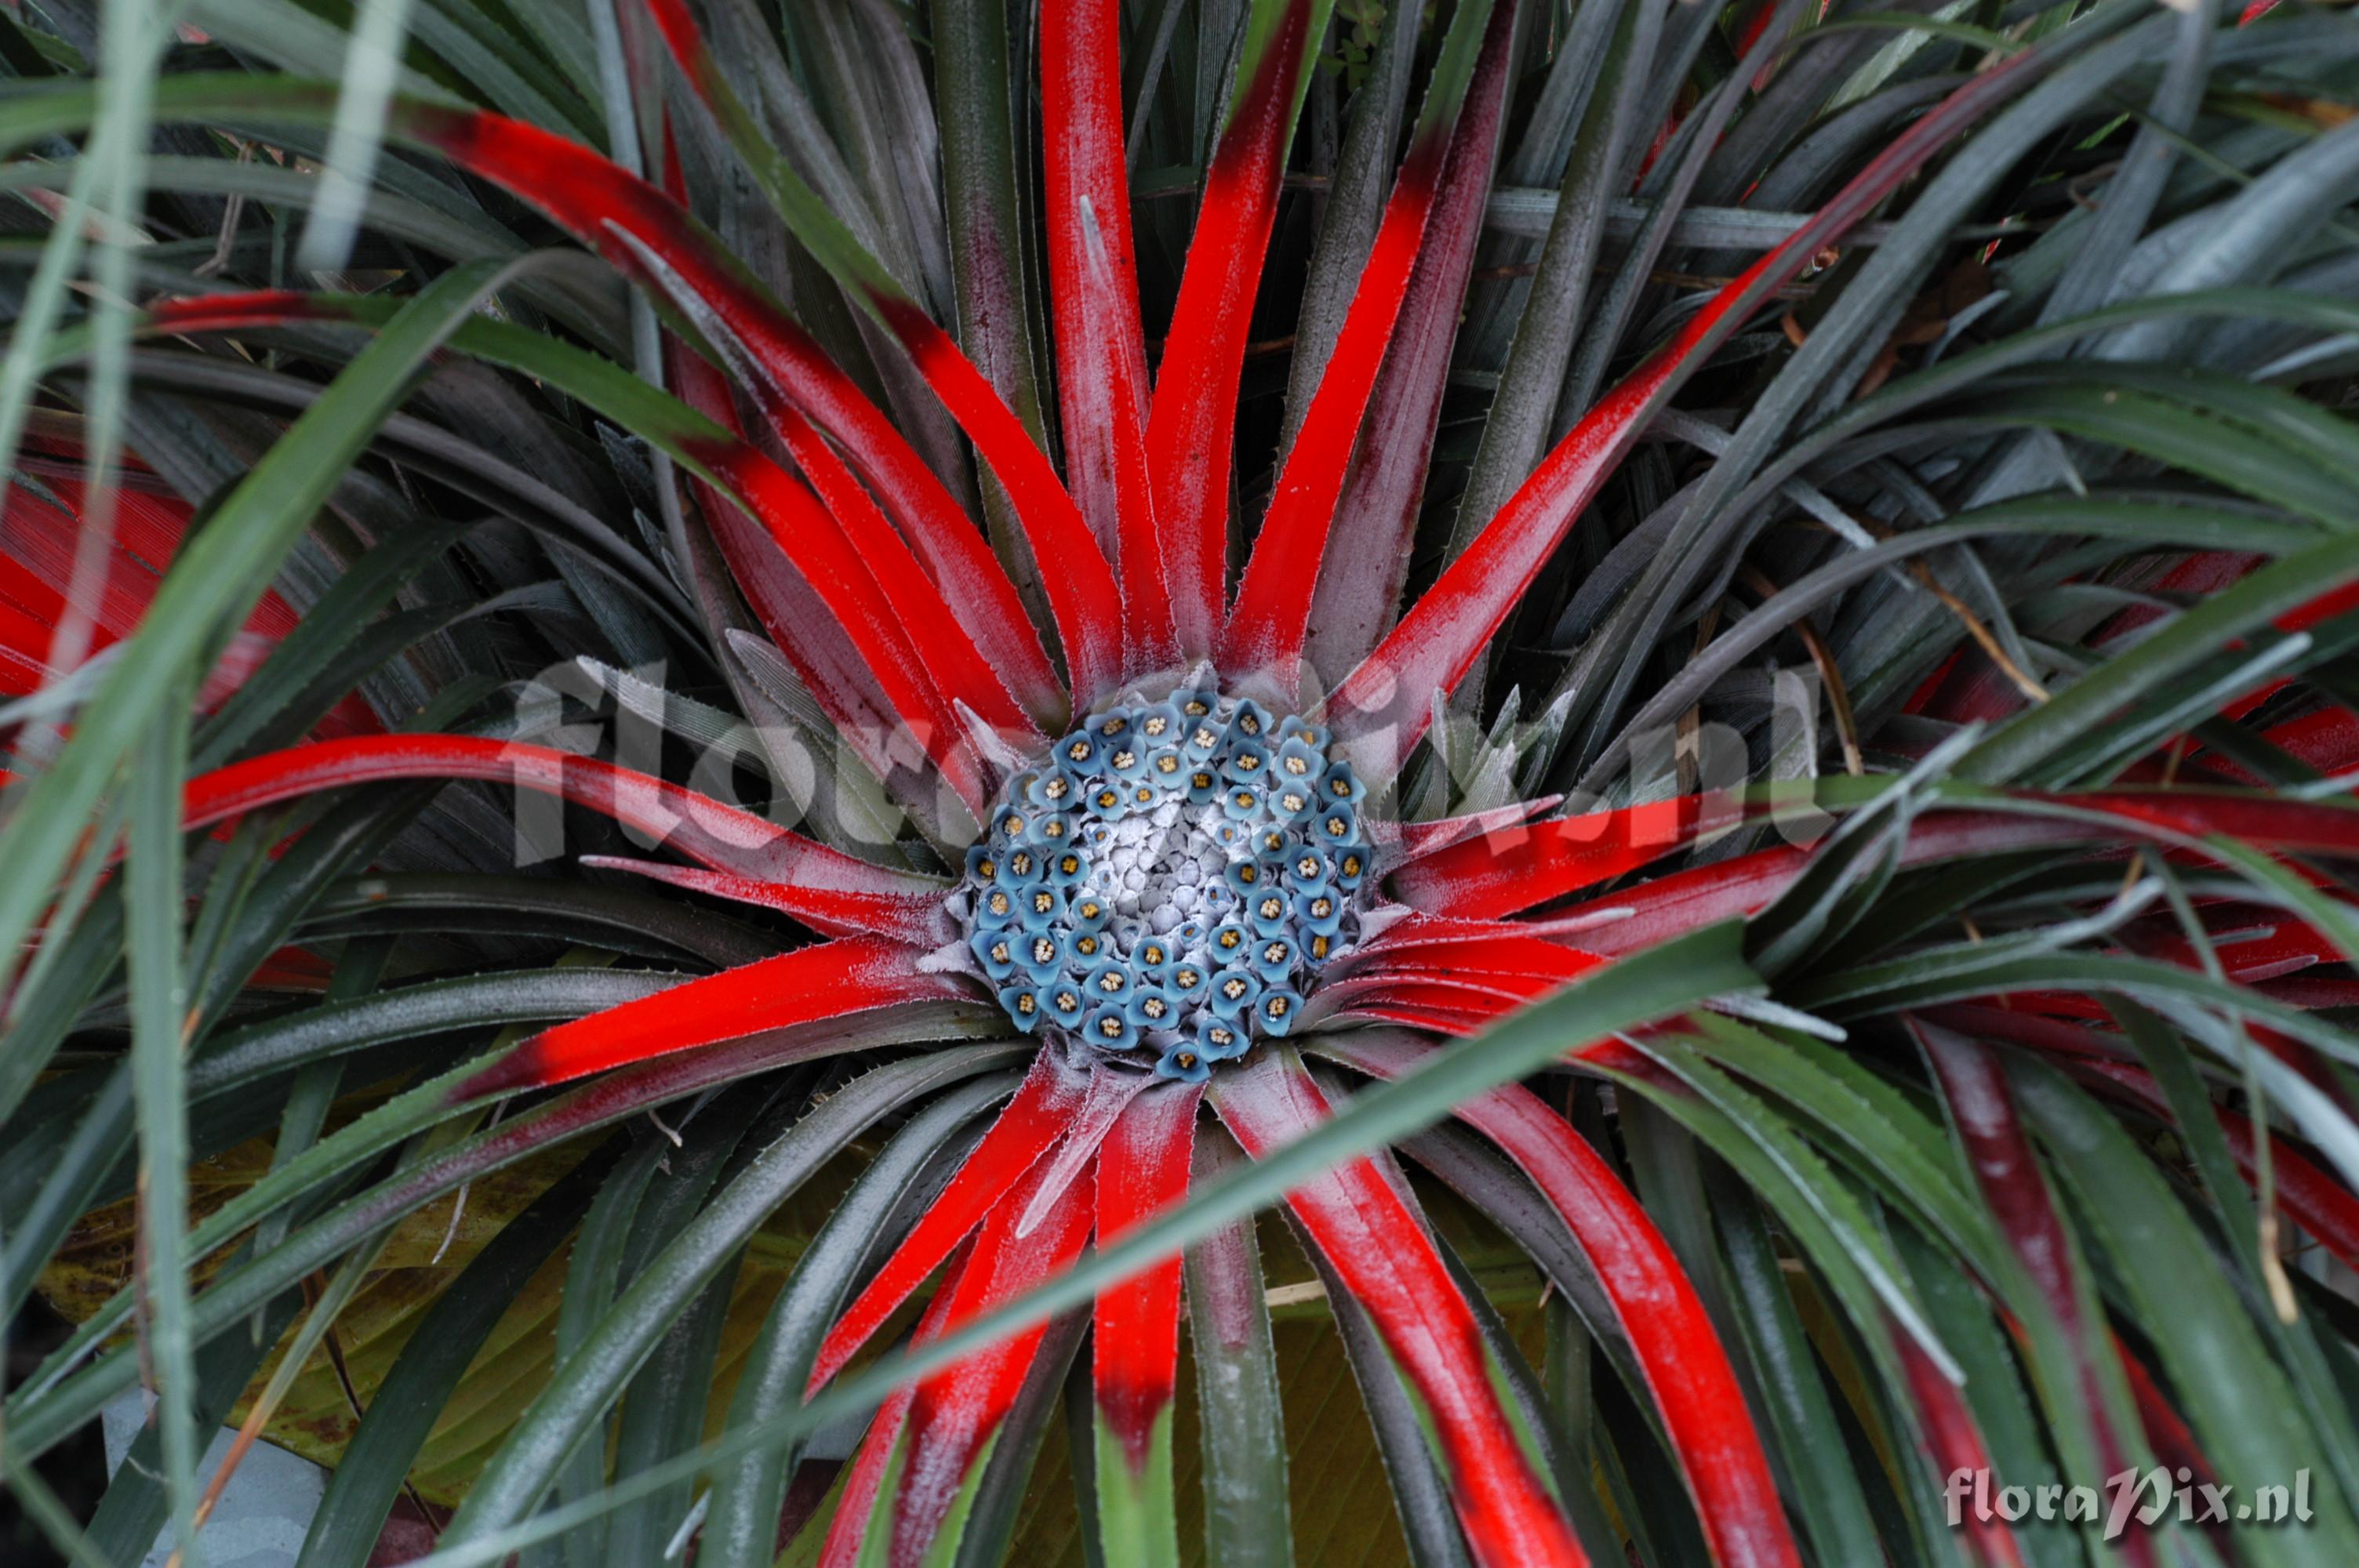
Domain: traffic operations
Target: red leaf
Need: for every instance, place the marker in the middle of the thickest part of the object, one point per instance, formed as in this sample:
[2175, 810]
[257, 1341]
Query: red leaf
[850, 974]
[1034, 1120]
[1515, 867]
[1405, 841]
[791, 611]
[2318, 1203]
[1983, 1114]
[1191, 431]
[920, 921]
[1379, 1250]
[1093, 285]
[40, 544]
[877, 623]
[699, 827]
[1142, 1171]
[1956, 1445]
[1684, 900]
[1687, 1369]
[1080, 586]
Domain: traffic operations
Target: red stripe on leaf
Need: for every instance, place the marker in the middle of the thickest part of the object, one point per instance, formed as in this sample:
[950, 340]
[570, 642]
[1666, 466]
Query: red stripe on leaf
[1357, 597]
[1687, 1369]
[1191, 431]
[1684, 900]
[863, 571]
[1034, 1120]
[2007, 1173]
[1402, 842]
[952, 657]
[851, 974]
[791, 611]
[1142, 1172]
[40, 544]
[2316, 1200]
[1355, 1215]
[699, 827]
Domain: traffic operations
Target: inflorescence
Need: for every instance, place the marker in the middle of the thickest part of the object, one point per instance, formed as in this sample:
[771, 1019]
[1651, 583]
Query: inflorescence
[1172, 877]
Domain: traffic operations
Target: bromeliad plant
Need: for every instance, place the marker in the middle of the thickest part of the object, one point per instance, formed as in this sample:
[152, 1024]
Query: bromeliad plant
[1106, 477]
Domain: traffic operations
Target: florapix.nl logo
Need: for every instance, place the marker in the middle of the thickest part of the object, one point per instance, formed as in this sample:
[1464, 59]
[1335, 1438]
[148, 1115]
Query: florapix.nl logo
[1973, 1497]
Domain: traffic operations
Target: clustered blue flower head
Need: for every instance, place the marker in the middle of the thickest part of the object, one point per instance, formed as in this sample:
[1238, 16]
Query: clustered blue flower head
[1172, 878]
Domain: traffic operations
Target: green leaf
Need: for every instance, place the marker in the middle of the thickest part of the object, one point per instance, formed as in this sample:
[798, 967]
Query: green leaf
[2237, 1398]
[159, 1091]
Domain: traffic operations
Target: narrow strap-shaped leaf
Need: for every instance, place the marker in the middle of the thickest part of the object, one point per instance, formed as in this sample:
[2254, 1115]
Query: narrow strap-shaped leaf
[1687, 1369]
[1083, 593]
[957, 1413]
[1142, 1168]
[833, 670]
[1413, 1474]
[717, 836]
[1405, 841]
[1514, 868]
[1080, 581]
[1034, 1120]
[1645, 914]
[1380, 1251]
[1248, 1518]
[156, 958]
[1191, 431]
[1471, 947]
[1515, 426]
[2006, 1171]
[828, 979]
[61, 1398]
[1384, 705]
[741, 1524]
[1102, 385]
[1263, 633]
[1954, 1443]
[1113, 399]
[982, 198]
[2316, 1200]
[1357, 596]
[921, 921]
[844, 552]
